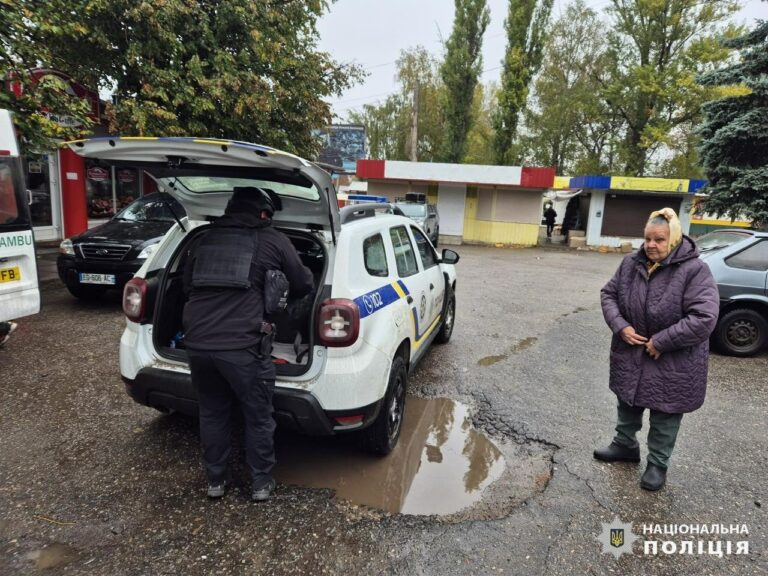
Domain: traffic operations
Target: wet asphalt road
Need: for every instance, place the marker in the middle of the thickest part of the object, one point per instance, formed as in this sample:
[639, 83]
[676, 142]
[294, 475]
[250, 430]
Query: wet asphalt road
[91, 483]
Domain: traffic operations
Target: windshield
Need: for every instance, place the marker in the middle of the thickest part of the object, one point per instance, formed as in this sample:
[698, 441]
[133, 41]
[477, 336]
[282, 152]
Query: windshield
[13, 198]
[152, 208]
[720, 239]
[204, 184]
[413, 210]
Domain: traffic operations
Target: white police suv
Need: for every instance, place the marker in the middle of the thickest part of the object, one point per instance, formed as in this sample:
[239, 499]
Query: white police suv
[343, 354]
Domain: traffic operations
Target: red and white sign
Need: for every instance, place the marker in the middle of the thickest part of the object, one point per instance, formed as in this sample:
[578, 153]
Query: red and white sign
[98, 174]
[471, 174]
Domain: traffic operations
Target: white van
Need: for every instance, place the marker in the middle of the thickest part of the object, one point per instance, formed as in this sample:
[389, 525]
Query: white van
[19, 291]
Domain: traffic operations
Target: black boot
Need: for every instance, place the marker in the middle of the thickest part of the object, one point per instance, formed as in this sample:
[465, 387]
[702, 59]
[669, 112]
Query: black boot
[617, 453]
[653, 478]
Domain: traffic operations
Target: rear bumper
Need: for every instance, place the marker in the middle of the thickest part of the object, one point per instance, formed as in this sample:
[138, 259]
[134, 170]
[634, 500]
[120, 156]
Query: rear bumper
[294, 409]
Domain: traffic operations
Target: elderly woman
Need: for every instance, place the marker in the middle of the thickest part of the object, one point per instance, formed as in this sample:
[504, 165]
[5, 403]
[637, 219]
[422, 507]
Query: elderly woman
[662, 305]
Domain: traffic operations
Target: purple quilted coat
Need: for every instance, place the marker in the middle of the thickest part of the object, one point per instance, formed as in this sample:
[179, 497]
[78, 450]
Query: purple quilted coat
[677, 308]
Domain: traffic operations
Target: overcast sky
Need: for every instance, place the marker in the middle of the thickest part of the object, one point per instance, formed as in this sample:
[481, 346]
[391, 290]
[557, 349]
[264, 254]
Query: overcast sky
[373, 32]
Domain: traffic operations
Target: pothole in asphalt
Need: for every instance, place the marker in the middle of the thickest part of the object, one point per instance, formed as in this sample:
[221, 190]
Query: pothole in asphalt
[442, 465]
[523, 344]
[53, 556]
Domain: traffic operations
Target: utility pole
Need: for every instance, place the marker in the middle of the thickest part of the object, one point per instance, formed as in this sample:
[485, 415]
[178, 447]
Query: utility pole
[415, 123]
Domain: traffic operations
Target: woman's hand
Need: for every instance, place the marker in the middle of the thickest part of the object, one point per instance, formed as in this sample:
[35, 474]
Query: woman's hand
[631, 337]
[649, 347]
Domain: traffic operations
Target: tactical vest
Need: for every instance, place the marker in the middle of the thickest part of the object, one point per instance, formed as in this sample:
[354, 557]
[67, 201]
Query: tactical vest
[223, 258]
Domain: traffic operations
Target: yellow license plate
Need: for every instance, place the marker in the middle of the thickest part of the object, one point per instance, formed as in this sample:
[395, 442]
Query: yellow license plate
[10, 274]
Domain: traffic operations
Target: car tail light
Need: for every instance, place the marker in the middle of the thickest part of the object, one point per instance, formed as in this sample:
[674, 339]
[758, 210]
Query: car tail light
[338, 322]
[349, 420]
[135, 299]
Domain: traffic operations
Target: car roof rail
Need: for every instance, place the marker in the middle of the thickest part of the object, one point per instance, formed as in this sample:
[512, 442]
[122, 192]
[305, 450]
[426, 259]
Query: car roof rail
[368, 210]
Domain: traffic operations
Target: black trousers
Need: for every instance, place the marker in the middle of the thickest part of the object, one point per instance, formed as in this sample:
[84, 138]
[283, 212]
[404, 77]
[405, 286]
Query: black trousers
[223, 378]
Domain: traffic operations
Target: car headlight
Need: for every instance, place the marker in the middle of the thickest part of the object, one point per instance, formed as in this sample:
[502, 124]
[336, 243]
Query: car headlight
[147, 252]
[67, 248]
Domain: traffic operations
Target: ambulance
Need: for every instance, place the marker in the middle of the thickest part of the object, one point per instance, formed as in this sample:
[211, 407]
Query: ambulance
[19, 290]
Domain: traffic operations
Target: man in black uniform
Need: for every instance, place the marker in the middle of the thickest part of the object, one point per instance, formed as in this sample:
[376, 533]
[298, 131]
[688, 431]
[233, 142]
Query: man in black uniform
[227, 339]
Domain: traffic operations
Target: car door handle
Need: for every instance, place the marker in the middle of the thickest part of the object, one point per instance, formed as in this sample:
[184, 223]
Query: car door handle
[409, 299]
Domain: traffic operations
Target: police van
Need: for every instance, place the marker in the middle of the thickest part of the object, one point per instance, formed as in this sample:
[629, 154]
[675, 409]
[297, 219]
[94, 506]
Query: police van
[342, 354]
[19, 291]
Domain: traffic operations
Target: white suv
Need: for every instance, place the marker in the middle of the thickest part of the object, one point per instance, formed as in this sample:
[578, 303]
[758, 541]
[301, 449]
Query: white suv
[343, 354]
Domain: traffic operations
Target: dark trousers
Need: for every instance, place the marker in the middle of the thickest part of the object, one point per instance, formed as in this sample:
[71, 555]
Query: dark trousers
[550, 227]
[223, 378]
[661, 435]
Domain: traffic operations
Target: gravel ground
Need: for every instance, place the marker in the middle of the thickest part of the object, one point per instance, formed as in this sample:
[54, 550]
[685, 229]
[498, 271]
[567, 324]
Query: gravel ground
[91, 483]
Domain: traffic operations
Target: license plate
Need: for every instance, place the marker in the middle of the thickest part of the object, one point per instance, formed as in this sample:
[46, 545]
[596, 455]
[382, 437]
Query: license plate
[88, 278]
[10, 274]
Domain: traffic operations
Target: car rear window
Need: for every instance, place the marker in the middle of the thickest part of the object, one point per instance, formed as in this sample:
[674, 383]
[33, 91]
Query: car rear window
[753, 258]
[213, 183]
[720, 239]
[12, 193]
[375, 256]
[412, 210]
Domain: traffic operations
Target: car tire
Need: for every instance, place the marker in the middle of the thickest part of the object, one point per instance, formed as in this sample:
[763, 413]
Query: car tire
[446, 328]
[381, 437]
[86, 292]
[741, 332]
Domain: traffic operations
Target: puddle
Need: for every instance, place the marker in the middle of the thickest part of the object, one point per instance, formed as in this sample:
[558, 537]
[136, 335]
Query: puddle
[523, 344]
[575, 311]
[441, 464]
[53, 556]
[488, 360]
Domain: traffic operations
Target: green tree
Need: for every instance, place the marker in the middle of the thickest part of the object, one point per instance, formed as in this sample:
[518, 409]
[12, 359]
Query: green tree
[683, 158]
[44, 110]
[231, 69]
[525, 26]
[564, 114]
[417, 72]
[734, 147]
[480, 136]
[657, 47]
[389, 125]
[460, 71]
[386, 127]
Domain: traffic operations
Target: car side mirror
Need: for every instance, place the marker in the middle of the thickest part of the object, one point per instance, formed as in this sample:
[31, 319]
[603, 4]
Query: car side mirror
[449, 256]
